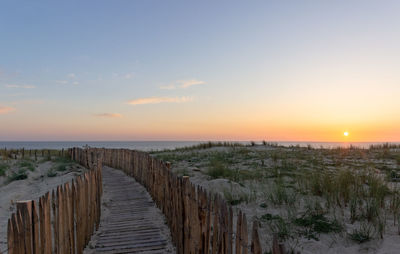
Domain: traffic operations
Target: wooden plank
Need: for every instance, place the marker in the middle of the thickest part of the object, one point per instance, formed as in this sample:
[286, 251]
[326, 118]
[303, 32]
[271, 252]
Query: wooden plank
[25, 209]
[119, 232]
[67, 218]
[255, 240]
[11, 237]
[186, 217]
[215, 227]
[35, 230]
[208, 225]
[238, 241]
[72, 217]
[78, 216]
[85, 207]
[60, 220]
[277, 248]
[45, 224]
[244, 235]
[55, 223]
[230, 231]
[19, 233]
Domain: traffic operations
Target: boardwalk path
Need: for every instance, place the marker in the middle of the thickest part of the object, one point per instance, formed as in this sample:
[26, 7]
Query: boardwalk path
[130, 221]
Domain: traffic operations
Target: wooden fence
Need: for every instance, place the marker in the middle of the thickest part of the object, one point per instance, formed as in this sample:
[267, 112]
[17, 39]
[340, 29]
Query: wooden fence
[199, 221]
[60, 222]
[28, 154]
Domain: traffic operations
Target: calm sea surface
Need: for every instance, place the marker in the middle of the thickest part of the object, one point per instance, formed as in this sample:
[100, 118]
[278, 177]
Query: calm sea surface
[158, 145]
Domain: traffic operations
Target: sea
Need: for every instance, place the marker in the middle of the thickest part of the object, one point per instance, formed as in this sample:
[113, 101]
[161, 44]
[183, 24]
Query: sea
[162, 145]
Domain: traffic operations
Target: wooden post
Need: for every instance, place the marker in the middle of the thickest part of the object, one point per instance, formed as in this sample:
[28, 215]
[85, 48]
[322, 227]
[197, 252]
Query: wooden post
[230, 231]
[238, 242]
[215, 237]
[35, 230]
[78, 215]
[186, 226]
[277, 248]
[55, 223]
[25, 209]
[244, 235]
[16, 223]
[11, 237]
[45, 224]
[255, 240]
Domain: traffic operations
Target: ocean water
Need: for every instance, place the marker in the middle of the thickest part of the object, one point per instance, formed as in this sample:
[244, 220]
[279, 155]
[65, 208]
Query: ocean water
[160, 145]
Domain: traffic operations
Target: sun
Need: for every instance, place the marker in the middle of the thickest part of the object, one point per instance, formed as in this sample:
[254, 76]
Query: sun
[346, 133]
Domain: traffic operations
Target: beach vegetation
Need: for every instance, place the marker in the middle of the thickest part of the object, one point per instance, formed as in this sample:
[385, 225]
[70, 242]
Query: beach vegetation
[51, 173]
[28, 164]
[3, 168]
[306, 191]
[19, 175]
[61, 164]
[235, 198]
[363, 234]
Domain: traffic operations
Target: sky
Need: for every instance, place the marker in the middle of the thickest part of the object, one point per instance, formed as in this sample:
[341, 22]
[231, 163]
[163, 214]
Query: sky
[200, 70]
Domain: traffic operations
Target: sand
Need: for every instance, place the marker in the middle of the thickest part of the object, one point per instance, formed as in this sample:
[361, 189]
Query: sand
[32, 188]
[195, 162]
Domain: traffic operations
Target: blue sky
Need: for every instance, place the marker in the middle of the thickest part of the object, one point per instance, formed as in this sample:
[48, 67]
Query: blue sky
[212, 70]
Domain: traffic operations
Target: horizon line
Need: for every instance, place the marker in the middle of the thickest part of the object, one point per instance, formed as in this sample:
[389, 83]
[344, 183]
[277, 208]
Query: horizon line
[268, 141]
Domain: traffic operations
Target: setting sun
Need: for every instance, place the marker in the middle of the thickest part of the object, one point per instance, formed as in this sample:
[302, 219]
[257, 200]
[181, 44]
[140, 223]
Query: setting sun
[346, 133]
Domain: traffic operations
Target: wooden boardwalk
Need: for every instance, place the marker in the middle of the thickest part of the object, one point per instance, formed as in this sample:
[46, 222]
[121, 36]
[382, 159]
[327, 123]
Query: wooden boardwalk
[130, 223]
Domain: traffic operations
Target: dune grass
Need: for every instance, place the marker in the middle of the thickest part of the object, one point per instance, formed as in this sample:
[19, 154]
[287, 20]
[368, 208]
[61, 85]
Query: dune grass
[19, 175]
[352, 182]
[3, 168]
[28, 164]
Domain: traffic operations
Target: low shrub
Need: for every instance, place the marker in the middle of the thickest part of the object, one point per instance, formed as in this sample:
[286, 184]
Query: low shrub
[27, 164]
[3, 168]
[51, 173]
[318, 223]
[20, 175]
[363, 234]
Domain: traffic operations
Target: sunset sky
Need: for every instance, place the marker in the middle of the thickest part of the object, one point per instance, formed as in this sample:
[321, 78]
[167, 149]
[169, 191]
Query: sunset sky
[200, 70]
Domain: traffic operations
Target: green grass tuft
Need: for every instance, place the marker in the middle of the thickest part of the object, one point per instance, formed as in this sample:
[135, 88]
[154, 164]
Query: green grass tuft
[27, 164]
[51, 173]
[3, 169]
[363, 234]
[318, 223]
[20, 175]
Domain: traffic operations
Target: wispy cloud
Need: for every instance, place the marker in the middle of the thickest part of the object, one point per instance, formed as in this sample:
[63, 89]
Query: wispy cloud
[19, 86]
[122, 75]
[62, 82]
[5, 110]
[189, 83]
[168, 87]
[109, 115]
[129, 75]
[157, 100]
[182, 84]
[71, 75]
[28, 102]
